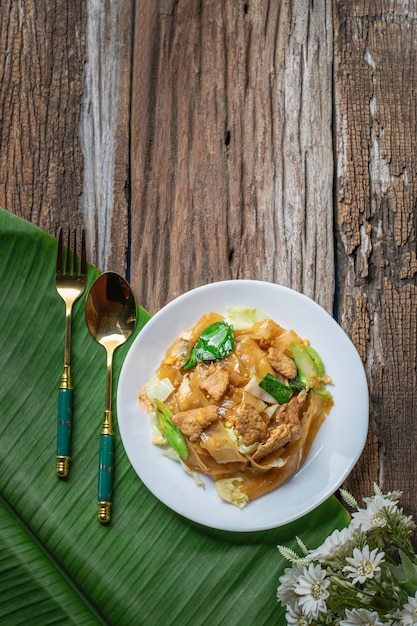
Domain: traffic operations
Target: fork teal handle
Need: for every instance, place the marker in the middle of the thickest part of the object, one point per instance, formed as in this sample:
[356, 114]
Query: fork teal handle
[63, 444]
[105, 477]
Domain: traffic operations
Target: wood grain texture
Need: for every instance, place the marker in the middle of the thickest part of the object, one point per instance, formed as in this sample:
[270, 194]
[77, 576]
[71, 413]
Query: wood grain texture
[375, 86]
[231, 117]
[105, 130]
[40, 94]
[232, 161]
[65, 87]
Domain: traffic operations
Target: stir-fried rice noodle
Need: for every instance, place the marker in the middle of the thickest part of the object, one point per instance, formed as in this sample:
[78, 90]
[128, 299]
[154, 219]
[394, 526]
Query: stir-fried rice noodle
[227, 449]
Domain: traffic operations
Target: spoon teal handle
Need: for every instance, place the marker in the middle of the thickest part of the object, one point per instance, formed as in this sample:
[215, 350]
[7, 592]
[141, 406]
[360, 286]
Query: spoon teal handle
[63, 442]
[110, 313]
[105, 474]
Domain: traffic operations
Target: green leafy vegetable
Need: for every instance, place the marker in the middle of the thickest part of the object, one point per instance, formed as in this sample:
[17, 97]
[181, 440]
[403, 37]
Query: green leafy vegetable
[316, 358]
[215, 342]
[282, 393]
[171, 433]
[296, 383]
[245, 317]
[309, 363]
[305, 364]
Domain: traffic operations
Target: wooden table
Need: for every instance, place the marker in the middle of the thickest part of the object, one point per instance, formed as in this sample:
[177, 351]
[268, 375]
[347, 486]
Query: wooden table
[202, 141]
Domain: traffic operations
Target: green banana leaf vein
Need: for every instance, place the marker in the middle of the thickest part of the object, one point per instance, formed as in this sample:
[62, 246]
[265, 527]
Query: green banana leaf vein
[57, 563]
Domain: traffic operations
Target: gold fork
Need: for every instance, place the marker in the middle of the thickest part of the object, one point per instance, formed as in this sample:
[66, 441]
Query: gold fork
[71, 276]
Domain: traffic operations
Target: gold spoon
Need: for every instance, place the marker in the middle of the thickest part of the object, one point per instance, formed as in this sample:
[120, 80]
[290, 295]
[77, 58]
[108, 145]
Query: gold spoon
[110, 313]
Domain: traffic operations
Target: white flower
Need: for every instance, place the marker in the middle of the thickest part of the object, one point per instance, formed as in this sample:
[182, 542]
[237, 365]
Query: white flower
[295, 616]
[374, 514]
[311, 588]
[364, 564]
[285, 592]
[408, 614]
[332, 545]
[362, 617]
[395, 495]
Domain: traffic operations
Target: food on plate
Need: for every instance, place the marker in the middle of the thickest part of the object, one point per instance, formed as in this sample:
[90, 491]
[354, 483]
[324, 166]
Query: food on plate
[240, 399]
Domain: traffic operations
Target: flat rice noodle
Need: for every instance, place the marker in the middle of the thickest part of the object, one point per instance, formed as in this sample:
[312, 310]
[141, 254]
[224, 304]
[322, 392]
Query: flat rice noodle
[201, 461]
[256, 483]
[311, 410]
[238, 374]
[317, 422]
[237, 380]
[196, 375]
[219, 445]
[175, 354]
[217, 455]
[260, 479]
[253, 357]
[195, 400]
[266, 330]
[322, 409]
[176, 350]
[260, 483]
[196, 458]
[283, 342]
[169, 371]
[248, 398]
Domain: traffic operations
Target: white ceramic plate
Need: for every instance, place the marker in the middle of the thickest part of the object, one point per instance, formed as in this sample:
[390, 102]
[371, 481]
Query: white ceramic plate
[335, 449]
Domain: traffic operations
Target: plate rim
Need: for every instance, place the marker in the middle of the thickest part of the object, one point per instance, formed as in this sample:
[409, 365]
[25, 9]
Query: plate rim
[166, 310]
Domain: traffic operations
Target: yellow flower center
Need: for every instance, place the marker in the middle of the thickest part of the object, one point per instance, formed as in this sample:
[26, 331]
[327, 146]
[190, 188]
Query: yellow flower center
[365, 568]
[317, 590]
[377, 520]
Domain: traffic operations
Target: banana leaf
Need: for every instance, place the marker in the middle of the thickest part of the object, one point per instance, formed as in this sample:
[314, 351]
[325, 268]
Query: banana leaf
[58, 564]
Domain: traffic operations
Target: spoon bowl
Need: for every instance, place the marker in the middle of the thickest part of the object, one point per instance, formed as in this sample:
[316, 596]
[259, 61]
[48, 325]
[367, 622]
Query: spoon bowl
[110, 313]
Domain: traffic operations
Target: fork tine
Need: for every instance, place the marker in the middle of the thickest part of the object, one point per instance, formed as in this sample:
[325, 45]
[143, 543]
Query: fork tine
[59, 253]
[70, 284]
[83, 269]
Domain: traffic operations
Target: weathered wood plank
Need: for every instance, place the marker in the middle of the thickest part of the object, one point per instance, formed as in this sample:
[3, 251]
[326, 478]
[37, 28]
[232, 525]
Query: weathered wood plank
[232, 159]
[65, 85]
[105, 131]
[376, 79]
[40, 91]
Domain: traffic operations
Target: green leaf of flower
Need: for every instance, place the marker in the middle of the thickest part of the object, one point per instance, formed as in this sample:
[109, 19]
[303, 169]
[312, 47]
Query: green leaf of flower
[406, 573]
[349, 499]
[291, 556]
